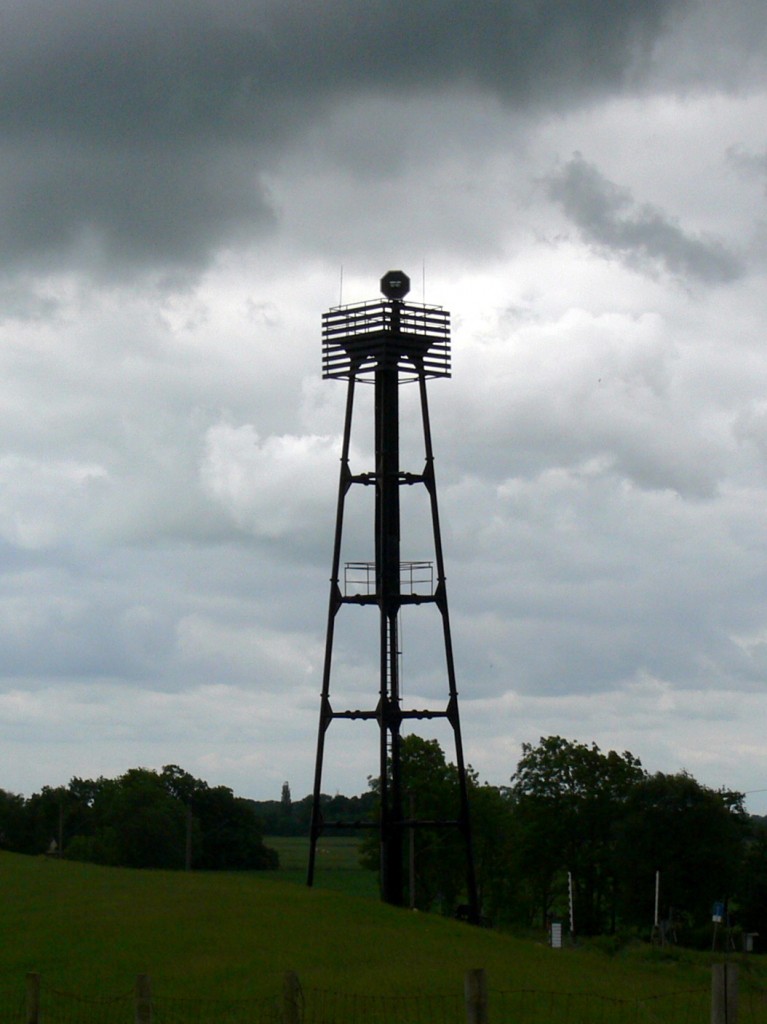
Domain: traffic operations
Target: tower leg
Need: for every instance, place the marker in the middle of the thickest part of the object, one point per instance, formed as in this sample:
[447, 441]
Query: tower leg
[452, 713]
[334, 603]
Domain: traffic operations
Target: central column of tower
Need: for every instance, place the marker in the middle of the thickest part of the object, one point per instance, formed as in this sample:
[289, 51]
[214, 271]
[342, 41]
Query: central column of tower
[387, 528]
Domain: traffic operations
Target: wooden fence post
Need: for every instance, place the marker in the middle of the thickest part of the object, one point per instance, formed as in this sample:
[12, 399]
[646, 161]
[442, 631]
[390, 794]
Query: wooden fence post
[475, 995]
[724, 994]
[143, 999]
[292, 999]
[33, 999]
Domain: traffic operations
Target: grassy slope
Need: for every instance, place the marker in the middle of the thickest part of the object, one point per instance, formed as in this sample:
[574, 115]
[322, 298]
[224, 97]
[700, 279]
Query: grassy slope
[92, 929]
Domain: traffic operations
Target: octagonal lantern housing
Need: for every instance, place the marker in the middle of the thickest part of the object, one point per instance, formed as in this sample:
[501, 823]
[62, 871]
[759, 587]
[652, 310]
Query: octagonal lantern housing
[395, 284]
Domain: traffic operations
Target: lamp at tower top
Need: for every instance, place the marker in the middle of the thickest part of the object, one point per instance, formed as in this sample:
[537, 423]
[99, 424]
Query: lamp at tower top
[395, 285]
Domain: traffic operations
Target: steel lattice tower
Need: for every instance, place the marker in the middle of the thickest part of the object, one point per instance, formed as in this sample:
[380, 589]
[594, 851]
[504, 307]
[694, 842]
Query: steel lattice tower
[387, 342]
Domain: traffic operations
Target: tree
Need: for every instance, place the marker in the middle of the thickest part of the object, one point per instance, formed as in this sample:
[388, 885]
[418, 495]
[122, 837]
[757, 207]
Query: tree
[566, 798]
[180, 784]
[499, 886]
[692, 834]
[135, 822]
[752, 885]
[431, 793]
[13, 823]
[230, 833]
[155, 819]
[47, 819]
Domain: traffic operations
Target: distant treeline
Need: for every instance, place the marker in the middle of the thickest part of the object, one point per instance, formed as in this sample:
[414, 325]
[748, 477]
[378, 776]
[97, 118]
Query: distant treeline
[286, 817]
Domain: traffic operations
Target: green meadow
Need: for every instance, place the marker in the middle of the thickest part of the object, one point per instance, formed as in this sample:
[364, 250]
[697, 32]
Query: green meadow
[336, 864]
[91, 930]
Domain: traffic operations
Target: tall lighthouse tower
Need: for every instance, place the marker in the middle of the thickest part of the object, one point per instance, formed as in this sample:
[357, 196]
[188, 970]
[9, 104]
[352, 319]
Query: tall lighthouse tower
[388, 342]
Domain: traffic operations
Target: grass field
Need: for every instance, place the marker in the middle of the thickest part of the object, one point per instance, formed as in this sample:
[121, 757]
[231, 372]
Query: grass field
[336, 866]
[91, 929]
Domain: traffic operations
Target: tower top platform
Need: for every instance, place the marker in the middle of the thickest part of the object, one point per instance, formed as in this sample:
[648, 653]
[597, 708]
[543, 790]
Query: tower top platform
[359, 339]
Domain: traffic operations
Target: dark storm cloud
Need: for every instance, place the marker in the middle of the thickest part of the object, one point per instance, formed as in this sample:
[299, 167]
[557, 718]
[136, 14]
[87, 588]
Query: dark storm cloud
[139, 131]
[91, 202]
[639, 234]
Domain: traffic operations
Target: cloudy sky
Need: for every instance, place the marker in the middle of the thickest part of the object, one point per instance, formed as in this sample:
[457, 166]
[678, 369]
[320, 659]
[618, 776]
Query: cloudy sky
[185, 186]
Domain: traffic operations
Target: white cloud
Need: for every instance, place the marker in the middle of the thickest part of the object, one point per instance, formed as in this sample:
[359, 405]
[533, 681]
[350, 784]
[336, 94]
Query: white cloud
[273, 660]
[276, 487]
[712, 735]
[43, 502]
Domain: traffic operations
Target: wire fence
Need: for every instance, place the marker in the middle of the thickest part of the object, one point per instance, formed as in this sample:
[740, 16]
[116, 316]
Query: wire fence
[50, 1005]
[216, 1011]
[350, 1008]
[58, 1007]
[534, 1007]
